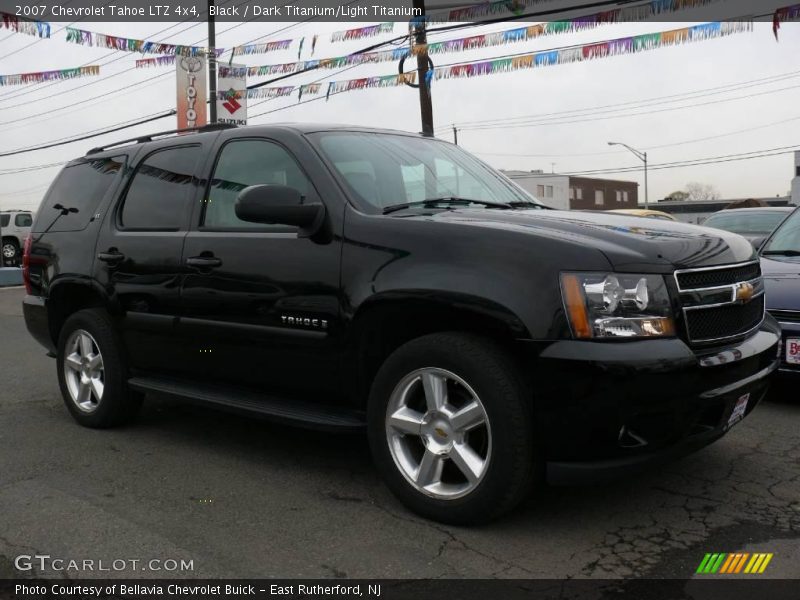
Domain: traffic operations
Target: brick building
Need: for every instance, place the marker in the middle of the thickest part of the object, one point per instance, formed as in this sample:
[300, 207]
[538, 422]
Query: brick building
[577, 193]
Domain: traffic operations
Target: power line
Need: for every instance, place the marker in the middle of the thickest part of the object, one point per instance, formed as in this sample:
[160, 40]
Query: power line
[696, 161]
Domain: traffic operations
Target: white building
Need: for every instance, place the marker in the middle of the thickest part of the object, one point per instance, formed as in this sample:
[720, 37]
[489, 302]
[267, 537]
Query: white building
[550, 189]
[796, 181]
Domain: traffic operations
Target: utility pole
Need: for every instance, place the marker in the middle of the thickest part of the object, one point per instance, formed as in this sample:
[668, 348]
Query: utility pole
[212, 65]
[455, 135]
[421, 39]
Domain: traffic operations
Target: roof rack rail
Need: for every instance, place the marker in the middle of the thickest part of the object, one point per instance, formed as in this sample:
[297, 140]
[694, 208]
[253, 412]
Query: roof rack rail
[149, 138]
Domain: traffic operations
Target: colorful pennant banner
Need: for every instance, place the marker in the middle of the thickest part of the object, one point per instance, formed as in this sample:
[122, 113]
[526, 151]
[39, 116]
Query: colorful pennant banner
[546, 58]
[485, 9]
[27, 26]
[262, 48]
[39, 77]
[523, 34]
[159, 61]
[363, 32]
[788, 13]
[101, 40]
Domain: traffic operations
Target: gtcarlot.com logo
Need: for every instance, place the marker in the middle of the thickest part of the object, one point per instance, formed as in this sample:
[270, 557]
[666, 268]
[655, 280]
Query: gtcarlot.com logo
[734, 563]
[45, 562]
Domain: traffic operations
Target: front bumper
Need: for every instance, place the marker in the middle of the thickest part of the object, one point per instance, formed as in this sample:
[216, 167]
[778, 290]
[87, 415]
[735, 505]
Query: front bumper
[608, 408]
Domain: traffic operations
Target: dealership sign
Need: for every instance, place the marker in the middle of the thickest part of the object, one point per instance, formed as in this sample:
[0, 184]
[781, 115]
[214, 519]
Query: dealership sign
[191, 105]
[232, 95]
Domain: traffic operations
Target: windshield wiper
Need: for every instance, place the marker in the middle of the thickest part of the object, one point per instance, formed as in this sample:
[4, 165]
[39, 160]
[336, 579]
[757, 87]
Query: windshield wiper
[432, 202]
[781, 253]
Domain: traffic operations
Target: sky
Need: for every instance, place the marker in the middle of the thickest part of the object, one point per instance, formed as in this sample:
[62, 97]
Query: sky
[761, 113]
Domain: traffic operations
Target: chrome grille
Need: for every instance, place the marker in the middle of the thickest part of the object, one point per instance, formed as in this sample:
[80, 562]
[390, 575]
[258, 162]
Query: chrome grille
[720, 303]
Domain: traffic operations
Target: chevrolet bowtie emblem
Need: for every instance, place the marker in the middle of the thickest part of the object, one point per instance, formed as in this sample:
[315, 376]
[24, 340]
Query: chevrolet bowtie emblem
[743, 292]
[440, 432]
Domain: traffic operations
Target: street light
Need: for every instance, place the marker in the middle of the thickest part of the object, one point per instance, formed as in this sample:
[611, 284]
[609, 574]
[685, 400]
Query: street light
[641, 156]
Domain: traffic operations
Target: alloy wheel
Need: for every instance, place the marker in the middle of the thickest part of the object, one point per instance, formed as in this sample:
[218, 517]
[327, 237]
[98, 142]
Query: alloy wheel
[83, 370]
[438, 433]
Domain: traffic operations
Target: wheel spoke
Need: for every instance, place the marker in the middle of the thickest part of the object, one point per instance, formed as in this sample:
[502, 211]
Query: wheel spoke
[84, 393]
[467, 461]
[430, 469]
[73, 361]
[97, 388]
[468, 417]
[85, 343]
[406, 420]
[95, 361]
[435, 387]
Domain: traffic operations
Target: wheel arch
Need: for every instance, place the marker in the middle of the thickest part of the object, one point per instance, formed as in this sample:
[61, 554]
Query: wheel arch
[386, 322]
[67, 296]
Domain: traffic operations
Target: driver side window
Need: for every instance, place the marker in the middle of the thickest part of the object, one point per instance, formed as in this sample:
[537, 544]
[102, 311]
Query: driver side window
[240, 164]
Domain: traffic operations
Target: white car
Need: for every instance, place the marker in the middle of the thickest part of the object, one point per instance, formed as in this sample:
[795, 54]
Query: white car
[15, 226]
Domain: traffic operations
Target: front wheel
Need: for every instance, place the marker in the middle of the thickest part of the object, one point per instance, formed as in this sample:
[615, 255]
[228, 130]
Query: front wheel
[92, 373]
[450, 427]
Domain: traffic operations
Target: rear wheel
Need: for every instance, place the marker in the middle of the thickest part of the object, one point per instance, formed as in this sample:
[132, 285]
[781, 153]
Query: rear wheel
[92, 373]
[450, 428]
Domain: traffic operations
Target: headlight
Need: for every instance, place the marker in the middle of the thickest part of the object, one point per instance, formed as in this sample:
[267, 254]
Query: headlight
[602, 305]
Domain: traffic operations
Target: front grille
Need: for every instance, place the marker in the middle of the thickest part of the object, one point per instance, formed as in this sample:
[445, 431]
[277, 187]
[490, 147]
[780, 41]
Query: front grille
[721, 303]
[787, 316]
[724, 321]
[717, 277]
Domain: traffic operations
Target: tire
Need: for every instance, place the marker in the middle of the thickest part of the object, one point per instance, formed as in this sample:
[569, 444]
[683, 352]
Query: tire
[503, 458]
[85, 335]
[10, 252]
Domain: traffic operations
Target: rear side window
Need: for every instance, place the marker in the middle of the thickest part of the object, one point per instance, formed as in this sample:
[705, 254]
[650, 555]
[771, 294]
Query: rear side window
[23, 220]
[79, 188]
[159, 194]
[5, 220]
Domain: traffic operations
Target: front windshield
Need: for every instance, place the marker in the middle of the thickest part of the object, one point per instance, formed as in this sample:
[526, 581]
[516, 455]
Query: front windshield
[787, 237]
[385, 170]
[745, 222]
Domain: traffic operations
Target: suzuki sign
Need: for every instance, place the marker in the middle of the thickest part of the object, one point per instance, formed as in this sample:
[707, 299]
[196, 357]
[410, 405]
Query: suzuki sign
[232, 95]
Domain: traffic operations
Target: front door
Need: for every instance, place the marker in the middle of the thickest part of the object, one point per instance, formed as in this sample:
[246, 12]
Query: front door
[260, 303]
[138, 255]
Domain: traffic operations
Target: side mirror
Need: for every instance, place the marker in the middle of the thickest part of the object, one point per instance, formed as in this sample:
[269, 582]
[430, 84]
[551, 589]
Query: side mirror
[279, 205]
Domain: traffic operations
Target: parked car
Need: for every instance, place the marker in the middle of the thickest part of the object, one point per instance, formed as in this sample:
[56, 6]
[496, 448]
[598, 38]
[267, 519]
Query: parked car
[15, 225]
[753, 223]
[348, 278]
[644, 212]
[780, 262]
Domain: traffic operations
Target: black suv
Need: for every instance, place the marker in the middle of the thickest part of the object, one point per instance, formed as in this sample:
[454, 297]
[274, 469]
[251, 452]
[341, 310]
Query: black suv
[347, 278]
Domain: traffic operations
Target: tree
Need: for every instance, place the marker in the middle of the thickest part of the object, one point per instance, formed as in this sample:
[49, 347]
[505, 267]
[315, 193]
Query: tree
[701, 191]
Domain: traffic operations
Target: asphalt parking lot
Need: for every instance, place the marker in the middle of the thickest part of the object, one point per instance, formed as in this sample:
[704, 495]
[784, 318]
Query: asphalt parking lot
[244, 498]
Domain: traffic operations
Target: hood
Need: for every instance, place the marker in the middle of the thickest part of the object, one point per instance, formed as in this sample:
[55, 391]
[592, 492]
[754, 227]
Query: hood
[782, 281]
[629, 243]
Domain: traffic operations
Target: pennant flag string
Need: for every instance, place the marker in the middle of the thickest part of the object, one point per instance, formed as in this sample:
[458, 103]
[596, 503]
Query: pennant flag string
[362, 32]
[545, 58]
[27, 26]
[101, 40]
[788, 13]
[523, 34]
[262, 48]
[38, 77]
[519, 34]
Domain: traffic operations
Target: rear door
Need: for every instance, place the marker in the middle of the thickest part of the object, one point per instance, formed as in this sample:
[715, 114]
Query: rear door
[138, 252]
[260, 303]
